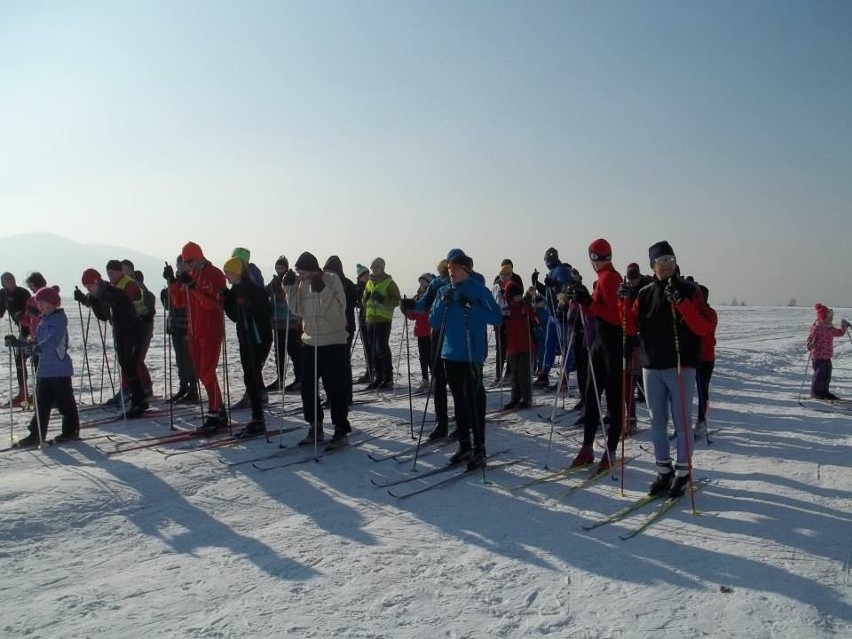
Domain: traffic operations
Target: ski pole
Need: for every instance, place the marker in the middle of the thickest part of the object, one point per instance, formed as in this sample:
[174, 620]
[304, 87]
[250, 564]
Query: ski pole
[316, 402]
[35, 406]
[687, 434]
[436, 361]
[226, 373]
[11, 410]
[408, 364]
[283, 378]
[476, 387]
[85, 332]
[625, 403]
[804, 377]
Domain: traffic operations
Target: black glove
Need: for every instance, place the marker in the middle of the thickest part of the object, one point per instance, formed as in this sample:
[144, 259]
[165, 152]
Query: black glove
[185, 278]
[534, 277]
[627, 292]
[33, 310]
[169, 274]
[317, 284]
[378, 298]
[80, 296]
[465, 303]
[11, 341]
[673, 294]
[548, 281]
[289, 278]
[581, 295]
[407, 304]
[448, 296]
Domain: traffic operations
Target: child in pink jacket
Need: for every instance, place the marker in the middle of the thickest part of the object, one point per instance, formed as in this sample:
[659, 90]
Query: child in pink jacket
[821, 345]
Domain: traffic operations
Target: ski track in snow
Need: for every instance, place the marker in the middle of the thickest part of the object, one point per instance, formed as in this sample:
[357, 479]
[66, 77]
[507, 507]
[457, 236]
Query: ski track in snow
[134, 544]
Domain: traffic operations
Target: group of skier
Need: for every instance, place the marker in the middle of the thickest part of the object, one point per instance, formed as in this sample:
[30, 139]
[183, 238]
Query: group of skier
[659, 324]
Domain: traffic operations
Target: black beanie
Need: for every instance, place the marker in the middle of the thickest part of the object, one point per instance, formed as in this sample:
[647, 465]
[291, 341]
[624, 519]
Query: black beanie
[659, 249]
[334, 265]
[551, 254]
[307, 262]
[282, 261]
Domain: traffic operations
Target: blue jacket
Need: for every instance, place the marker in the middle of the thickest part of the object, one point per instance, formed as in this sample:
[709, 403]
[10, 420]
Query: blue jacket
[52, 344]
[465, 329]
[427, 300]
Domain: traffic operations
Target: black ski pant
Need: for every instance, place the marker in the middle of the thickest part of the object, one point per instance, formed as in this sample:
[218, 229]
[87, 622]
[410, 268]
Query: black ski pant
[127, 353]
[55, 392]
[465, 380]
[439, 382]
[606, 369]
[187, 379]
[252, 358]
[288, 343]
[703, 373]
[424, 354]
[382, 356]
[331, 369]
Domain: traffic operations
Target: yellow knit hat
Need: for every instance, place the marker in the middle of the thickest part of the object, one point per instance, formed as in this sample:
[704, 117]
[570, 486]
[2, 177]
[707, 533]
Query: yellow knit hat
[233, 265]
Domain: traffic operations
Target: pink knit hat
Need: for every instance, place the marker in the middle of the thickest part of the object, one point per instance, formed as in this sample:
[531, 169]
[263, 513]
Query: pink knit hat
[822, 311]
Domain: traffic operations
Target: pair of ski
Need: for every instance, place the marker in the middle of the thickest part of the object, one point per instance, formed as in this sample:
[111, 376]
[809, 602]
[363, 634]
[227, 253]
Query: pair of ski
[150, 413]
[573, 471]
[427, 448]
[432, 473]
[827, 405]
[175, 437]
[667, 504]
[223, 442]
[271, 462]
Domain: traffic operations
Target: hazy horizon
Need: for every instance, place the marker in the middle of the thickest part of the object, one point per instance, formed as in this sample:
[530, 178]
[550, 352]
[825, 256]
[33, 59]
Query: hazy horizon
[402, 129]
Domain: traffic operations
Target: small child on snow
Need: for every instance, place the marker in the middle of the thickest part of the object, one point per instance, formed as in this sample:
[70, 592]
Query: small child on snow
[821, 345]
[54, 371]
[521, 319]
[422, 330]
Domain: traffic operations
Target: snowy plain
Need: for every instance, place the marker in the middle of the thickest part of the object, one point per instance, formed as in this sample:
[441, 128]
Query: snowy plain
[140, 545]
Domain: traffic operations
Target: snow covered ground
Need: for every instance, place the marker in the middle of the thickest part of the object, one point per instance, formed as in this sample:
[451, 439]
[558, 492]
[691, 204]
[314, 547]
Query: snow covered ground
[140, 545]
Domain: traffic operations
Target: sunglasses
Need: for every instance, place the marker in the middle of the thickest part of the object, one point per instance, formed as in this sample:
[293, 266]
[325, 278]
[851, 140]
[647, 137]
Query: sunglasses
[665, 259]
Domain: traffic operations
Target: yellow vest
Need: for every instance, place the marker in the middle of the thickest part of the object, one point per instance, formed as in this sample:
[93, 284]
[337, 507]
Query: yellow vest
[139, 303]
[378, 311]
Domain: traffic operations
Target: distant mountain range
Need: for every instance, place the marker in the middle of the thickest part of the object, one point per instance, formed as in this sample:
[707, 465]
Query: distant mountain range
[62, 261]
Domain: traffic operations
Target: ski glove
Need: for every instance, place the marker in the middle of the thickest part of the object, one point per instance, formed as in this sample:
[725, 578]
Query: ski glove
[79, 296]
[317, 285]
[377, 298]
[185, 278]
[627, 292]
[581, 295]
[169, 274]
[534, 277]
[407, 304]
[448, 296]
[465, 304]
[11, 341]
[289, 278]
[32, 310]
[844, 323]
[673, 294]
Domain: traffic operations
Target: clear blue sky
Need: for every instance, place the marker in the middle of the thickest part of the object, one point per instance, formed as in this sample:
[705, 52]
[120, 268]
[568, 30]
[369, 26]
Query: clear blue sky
[403, 129]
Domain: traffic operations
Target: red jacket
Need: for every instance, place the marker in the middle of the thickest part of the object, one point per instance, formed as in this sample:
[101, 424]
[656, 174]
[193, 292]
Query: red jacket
[519, 321]
[204, 314]
[605, 296]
